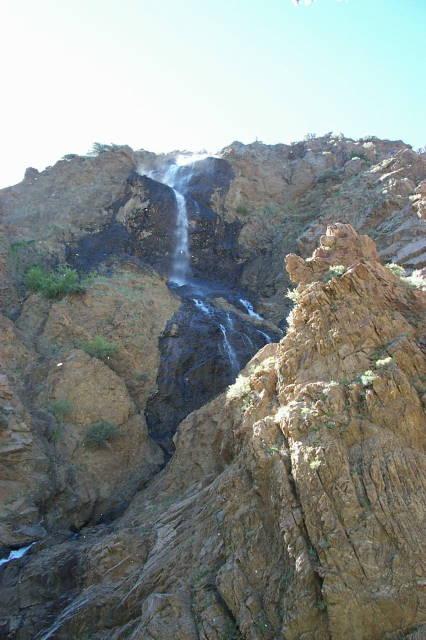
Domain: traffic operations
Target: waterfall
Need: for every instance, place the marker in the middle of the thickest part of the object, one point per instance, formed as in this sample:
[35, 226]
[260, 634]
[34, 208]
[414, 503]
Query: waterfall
[229, 350]
[250, 310]
[177, 180]
[181, 258]
[265, 335]
[16, 554]
[235, 365]
[203, 307]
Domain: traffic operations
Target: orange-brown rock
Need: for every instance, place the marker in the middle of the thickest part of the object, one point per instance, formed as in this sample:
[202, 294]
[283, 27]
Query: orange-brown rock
[340, 246]
[96, 480]
[130, 308]
[65, 200]
[23, 471]
[46, 462]
[285, 196]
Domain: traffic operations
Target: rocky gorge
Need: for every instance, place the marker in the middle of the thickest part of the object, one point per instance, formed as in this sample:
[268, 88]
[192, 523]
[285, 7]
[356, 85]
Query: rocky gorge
[185, 450]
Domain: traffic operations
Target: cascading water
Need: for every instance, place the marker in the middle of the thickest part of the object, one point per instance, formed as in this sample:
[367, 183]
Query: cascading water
[16, 554]
[181, 258]
[250, 310]
[232, 357]
[211, 343]
[265, 335]
[203, 307]
[227, 330]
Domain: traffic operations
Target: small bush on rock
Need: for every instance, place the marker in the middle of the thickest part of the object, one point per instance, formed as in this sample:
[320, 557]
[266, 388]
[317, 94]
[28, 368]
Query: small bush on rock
[99, 433]
[100, 147]
[335, 271]
[396, 269]
[293, 295]
[99, 347]
[415, 280]
[53, 284]
[367, 378]
[60, 408]
[383, 362]
[242, 210]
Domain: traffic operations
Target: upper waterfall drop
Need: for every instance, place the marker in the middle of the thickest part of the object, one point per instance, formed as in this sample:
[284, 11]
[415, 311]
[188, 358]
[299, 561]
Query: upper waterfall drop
[176, 176]
[181, 258]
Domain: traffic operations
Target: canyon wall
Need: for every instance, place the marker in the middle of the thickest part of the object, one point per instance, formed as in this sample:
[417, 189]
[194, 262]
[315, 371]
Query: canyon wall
[293, 503]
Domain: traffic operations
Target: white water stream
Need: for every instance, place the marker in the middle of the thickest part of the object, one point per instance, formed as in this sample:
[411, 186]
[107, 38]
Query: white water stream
[181, 258]
[16, 554]
[250, 310]
[180, 273]
[226, 329]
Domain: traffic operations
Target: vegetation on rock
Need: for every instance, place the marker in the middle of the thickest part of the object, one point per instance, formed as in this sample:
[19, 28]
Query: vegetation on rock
[60, 408]
[99, 347]
[101, 432]
[55, 283]
[335, 271]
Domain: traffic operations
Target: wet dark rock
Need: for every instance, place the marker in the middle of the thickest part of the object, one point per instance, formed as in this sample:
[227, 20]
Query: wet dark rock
[38, 591]
[94, 249]
[207, 177]
[195, 366]
[213, 244]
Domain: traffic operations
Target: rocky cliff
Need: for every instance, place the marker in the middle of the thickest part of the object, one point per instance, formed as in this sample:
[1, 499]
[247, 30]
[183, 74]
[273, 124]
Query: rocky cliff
[293, 504]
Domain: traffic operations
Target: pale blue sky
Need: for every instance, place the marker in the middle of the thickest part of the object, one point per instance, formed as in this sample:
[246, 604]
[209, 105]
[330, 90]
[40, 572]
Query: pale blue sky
[167, 74]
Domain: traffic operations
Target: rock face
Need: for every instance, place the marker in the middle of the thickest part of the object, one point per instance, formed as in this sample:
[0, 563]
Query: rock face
[66, 200]
[294, 505]
[55, 396]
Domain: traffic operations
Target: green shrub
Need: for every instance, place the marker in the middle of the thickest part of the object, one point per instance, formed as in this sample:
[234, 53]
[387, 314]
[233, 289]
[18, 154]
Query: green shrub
[20, 246]
[367, 378]
[99, 433]
[242, 210]
[416, 280]
[99, 347]
[356, 155]
[396, 269]
[383, 362]
[53, 284]
[99, 147]
[60, 408]
[293, 295]
[329, 174]
[335, 271]
[21, 255]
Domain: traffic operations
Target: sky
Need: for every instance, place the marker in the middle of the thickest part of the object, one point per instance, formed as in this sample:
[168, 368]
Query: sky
[198, 74]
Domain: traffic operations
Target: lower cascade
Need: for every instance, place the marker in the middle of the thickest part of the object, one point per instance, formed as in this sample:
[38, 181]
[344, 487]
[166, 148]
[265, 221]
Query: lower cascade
[232, 356]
